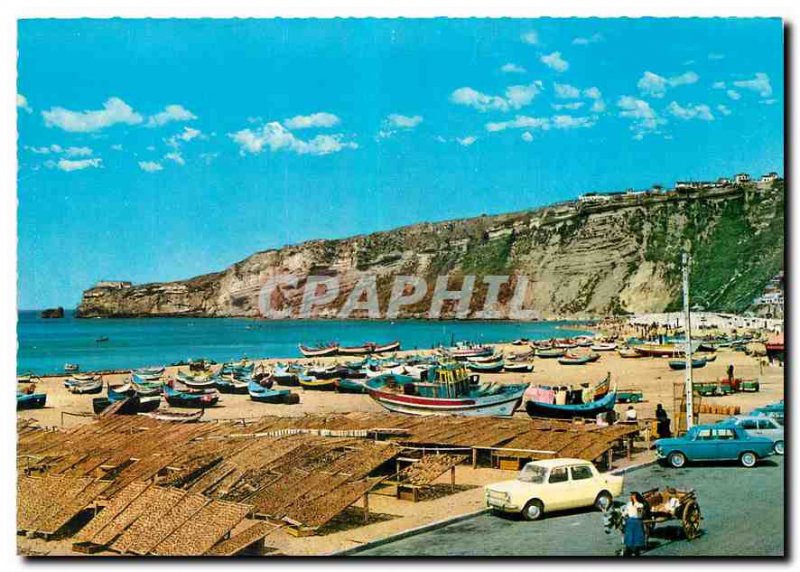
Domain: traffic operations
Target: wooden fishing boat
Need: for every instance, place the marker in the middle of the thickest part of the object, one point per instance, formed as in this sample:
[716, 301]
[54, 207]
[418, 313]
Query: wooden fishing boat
[573, 360]
[147, 388]
[148, 371]
[344, 385]
[120, 392]
[520, 342]
[586, 410]
[31, 400]
[72, 367]
[464, 351]
[361, 350]
[229, 384]
[518, 367]
[174, 416]
[331, 372]
[522, 356]
[182, 399]
[678, 364]
[263, 394]
[486, 359]
[102, 339]
[493, 367]
[450, 392]
[603, 347]
[550, 354]
[708, 357]
[28, 377]
[86, 387]
[143, 378]
[312, 383]
[629, 353]
[318, 351]
[630, 396]
[242, 368]
[390, 347]
[204, 381]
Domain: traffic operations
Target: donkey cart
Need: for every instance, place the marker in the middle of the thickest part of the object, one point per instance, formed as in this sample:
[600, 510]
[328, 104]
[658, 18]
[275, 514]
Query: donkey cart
[670, 504]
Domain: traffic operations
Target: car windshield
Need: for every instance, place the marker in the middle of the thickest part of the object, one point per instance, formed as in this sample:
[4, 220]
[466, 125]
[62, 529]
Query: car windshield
[532, 474]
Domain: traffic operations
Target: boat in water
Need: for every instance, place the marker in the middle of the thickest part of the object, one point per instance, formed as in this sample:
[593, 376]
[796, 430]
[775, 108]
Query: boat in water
[448, 390]
[361, 350]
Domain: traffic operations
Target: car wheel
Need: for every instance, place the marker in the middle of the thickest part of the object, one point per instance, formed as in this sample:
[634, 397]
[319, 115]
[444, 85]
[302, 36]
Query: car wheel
[677, 459]
[603, 501]
[779, 447]
[533, 510]
[748, 459]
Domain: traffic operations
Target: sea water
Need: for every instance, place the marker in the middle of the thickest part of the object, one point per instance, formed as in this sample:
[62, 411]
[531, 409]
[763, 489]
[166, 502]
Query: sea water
[45, 345]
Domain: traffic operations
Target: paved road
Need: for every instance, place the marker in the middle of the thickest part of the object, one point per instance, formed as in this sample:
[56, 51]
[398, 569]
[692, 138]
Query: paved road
[743, 515]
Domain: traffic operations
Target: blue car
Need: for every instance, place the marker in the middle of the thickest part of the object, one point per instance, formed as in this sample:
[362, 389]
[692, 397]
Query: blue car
[718, 442]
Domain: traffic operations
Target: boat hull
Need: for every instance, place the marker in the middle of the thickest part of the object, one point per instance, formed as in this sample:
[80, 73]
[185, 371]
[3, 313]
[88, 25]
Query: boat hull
[31, 401]
[585, 410]
[502, 405]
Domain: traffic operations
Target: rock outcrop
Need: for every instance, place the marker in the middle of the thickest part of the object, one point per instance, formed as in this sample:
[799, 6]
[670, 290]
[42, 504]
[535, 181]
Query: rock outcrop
[52, 313]
[585, 258]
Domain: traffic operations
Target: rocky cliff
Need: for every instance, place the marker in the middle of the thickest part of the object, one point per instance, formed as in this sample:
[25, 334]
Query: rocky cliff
[595, 257]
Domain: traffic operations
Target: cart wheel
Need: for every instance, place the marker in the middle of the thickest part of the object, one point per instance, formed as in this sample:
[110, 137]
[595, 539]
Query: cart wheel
[691, 520]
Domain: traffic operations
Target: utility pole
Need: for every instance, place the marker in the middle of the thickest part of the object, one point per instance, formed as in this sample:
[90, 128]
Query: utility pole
[687, 326]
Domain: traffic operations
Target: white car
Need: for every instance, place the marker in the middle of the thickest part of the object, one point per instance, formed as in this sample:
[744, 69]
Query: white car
[762, 426]
[554, 484]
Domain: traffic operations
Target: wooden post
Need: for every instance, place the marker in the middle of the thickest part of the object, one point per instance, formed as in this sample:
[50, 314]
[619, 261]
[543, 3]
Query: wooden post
[474, 457]
[610, 458]
[366, 506]
[453, 478]
[628, 448]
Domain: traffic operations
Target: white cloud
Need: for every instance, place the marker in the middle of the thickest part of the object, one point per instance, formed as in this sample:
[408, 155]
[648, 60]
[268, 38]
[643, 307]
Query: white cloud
[702, 112]
[585, 41]
[527, 137]
[573, 105]
[566, 91]
[555, 61]
[768, 101]
[531, 38]
[176, 157]
[77, 151]
[45, 150]
[184, 136]
[512, 68]
[760, 84]
[716, 56]
[520, 122]
[150, 166]
[171, 113]
[733, 94]
[466, 141]
[276, 137]
[22, 103]
[117, 147]
[321, 119]
[114, 111]
[599, 106]
[570, 122]
[718, 85]
[67, 165]
[644, 119]
[592, 93]
[403, 121]
[655, 85]
[723, 109]
[516, 96]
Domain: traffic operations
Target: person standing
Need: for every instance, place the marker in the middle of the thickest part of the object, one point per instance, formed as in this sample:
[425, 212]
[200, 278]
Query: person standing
[662, 419]
[634, 539]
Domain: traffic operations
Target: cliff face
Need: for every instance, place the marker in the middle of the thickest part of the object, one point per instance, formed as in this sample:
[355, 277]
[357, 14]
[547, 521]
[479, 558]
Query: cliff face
[588, 259]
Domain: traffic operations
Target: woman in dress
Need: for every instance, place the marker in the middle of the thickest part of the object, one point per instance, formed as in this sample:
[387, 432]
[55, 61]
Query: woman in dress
[635, 540]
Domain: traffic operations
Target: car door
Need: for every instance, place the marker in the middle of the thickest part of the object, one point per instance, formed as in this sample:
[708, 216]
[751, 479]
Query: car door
[750, 426]
[728, 443]
[558, 489]
[584, 485]
[702, 447]
[769, 428]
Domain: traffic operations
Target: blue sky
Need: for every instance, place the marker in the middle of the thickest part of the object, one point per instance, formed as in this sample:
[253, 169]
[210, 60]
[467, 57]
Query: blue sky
[155, 150]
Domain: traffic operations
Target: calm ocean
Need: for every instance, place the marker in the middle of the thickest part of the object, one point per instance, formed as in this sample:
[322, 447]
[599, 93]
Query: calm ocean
[46, 345]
